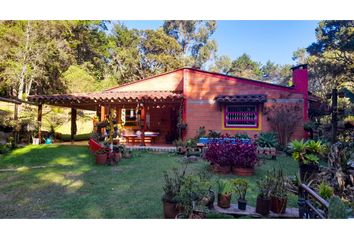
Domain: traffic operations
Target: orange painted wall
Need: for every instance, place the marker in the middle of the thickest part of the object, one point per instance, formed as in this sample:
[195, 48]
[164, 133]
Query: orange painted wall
[201, 88]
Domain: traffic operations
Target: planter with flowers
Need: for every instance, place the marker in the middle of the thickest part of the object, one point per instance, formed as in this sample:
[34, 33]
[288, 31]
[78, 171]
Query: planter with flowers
[244, 159]
[218, 154]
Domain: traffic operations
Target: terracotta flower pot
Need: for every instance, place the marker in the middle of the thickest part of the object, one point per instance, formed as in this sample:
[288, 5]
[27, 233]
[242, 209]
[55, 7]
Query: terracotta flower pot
[169, 209]
[241, 204]
[278, 205]
[262, 206]
[240, 171]
[101, 158]
[224, 200]
[221, 169]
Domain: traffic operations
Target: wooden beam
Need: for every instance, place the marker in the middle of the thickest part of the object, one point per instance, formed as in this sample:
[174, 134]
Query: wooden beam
[39, 119]
[73, 124]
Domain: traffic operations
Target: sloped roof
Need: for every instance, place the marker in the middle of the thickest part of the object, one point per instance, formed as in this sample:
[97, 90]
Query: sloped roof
[105, 97]
[250, 98]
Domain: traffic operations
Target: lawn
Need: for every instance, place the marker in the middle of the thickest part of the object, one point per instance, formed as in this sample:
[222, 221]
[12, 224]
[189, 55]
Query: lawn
[72, 186]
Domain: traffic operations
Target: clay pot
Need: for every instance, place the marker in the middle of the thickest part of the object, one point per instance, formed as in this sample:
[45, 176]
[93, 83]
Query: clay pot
[240, 171]
[221, 169]
[262, 206]
[241, 204]
[224, 200]
[169, 209]
[101, 158]
[278, 205]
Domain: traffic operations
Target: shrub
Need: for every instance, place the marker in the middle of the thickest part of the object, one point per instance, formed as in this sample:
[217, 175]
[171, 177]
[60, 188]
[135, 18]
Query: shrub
[242, 136]
[244, 155]
[226, 154]
[267, 139]
[337, 209]
[307, 152]
[218, 153]
[283, 119]
[325, 190]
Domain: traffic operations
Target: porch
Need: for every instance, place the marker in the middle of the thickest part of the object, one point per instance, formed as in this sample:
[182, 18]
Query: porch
[137, 118]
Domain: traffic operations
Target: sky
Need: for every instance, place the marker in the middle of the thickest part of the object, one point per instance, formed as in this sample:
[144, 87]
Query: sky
[262, 40]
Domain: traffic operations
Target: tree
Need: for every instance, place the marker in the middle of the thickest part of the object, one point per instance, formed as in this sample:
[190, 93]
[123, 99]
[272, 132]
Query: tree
[125, 64]
[160, 52]
[245, 67]
[222, 64]
[276, 73]
[78, 80]
[331, 57]
[300, 56]
[194, 39]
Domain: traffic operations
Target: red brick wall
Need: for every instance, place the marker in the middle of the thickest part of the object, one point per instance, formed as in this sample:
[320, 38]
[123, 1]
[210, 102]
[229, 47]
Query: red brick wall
[201, 88]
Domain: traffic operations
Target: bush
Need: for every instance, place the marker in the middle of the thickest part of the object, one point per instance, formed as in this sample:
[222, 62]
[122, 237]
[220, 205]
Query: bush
[325, 191]
[267, 139]
[283, 119]
[238, 155]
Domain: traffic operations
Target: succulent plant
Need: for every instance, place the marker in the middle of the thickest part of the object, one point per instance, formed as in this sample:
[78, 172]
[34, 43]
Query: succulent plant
[337, 209]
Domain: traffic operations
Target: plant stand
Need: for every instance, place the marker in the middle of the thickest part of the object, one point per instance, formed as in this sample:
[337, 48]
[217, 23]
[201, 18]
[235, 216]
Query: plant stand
[251, 212]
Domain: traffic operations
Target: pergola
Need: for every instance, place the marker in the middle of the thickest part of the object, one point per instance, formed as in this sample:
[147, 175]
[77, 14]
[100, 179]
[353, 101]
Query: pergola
[102, 102]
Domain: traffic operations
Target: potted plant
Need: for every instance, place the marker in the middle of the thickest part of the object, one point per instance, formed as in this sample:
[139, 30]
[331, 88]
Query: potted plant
[172, 188]
[101, 156]
[307, 153]
[224, 193]
[244, 159]
[192, 192]
[181, 146]
[241, 186]
[218, 154]
[265, 187]
[279, 194]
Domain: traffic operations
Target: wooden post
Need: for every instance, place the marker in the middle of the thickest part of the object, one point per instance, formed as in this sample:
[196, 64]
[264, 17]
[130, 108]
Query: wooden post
[103, 117]
[334, 115]
[143, 117]
[39, 119]
[73, 124]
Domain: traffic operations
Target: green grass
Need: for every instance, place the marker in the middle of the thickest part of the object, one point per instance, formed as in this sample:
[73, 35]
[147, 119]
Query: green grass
[74, 187]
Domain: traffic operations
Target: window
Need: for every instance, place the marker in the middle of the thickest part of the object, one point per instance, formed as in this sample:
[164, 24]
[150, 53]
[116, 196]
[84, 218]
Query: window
[245, 116]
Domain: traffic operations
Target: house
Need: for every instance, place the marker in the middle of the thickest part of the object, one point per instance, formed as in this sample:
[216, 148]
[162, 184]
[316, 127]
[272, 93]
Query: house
[156, 105]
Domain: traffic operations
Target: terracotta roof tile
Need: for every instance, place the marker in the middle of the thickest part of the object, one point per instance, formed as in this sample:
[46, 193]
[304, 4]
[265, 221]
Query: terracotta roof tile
[78, 98]
[251, 98]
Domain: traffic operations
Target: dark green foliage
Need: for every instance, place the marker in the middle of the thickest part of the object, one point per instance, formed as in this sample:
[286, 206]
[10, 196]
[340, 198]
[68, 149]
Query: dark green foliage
[242, 136]
[214, 134]
[337, 209]
[267, 139]
[265, 185]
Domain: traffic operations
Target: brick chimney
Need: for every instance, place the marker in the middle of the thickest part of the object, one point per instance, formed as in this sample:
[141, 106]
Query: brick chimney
[301, 85]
